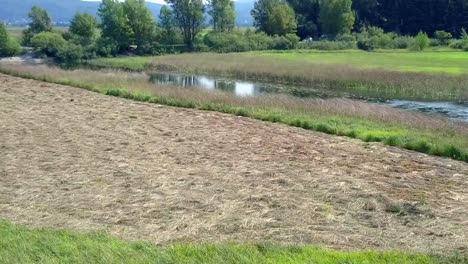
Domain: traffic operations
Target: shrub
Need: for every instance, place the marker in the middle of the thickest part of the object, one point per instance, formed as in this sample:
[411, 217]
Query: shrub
[106, 47]
[245, 41]
[345, 38]
[456, 44]
[434, 42]
[226, 42]
[48, 43]
[70, 53]
[368, 44]
[443, 37]
[8, 45]
[403, 42]
[421, 41]
[369, 38]
[328, 45]
[258, 40]
[284, 42]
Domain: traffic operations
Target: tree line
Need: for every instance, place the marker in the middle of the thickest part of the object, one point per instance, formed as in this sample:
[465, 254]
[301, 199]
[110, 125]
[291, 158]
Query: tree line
[280, 24]
[405, 17]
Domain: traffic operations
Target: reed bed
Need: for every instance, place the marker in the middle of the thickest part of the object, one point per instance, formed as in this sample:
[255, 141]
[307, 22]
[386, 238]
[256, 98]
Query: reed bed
[344, 117]
[373, 83]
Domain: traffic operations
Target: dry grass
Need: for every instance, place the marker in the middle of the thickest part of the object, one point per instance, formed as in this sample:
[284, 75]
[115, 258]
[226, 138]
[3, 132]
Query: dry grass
[84, 161]
[139, 82]
[367, 121]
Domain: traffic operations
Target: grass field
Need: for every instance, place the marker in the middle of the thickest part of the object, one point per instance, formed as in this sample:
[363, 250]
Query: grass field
[16, 33]
[343, 117]
[454, 62]
[24, 245]
[429, 76]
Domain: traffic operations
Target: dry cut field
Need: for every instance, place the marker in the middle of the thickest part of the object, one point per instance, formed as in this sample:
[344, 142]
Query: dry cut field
[74, 159]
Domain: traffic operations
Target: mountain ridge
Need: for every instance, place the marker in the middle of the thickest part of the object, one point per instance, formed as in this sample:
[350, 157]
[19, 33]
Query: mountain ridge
[62, 12]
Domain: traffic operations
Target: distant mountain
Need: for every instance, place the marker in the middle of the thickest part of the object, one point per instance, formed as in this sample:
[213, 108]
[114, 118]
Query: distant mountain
[62, 11]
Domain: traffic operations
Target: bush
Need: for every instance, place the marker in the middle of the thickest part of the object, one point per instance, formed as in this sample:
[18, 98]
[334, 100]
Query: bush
[48, 43]
[456, 44]
[442, 37]
[226, 41]
[345, 38]
[258, 40]
[368, 44]
[403, 42]
[371, 38]
[70, 54]
[289, 41]
[8, 45]
[328, 45]
[106, 47]
[421, 41]
[245, 41]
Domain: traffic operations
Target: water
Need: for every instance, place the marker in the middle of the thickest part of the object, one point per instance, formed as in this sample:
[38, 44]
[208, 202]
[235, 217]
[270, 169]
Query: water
[239, 88]
[456, 111]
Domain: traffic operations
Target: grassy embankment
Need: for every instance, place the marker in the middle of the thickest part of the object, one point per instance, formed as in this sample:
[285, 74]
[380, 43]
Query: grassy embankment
[385, 75]
[368, 122]
[25, 245]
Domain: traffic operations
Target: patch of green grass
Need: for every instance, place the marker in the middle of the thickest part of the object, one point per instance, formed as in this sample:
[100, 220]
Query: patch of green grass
[19, 244]
[454, 62]
[124, 63]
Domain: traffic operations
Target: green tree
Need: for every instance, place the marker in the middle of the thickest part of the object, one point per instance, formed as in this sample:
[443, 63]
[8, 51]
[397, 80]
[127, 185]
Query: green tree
[40, 22]
[48, 43]
[223, 15]
[421, 41]
[168, 25]
[141, 22]
[115, 26]
[443, 37]
[307, 12]
[190, 17]
[274, 17]
[336, 17]
[83, 26]
[8, 45]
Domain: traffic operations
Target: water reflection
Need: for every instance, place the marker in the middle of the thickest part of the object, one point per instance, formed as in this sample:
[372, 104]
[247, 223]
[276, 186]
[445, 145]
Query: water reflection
[242, 88]
[236, 87]
[457, 111]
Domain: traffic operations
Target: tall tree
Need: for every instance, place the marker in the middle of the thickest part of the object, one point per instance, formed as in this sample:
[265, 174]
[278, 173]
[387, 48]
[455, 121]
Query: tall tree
[223, 15]
[141, 21]
[190, 17]
[84, 28]
[274, 17]
[115, 25]
[336, 17]
[307, 12]
[8, 45]
[40, 22]
[168, 25]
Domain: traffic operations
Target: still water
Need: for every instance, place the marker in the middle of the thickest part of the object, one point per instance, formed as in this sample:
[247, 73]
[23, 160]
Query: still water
[457, 111]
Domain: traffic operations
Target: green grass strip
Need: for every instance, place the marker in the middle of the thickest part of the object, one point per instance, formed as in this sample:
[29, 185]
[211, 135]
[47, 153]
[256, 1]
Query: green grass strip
[24, 245]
